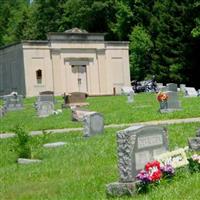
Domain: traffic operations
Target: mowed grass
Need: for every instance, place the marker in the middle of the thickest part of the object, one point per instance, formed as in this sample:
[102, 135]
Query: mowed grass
[82, 168]
[115, 109]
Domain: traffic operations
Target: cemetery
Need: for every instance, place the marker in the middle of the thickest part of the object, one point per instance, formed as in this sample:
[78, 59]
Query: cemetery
[99, 100]
[98, 157]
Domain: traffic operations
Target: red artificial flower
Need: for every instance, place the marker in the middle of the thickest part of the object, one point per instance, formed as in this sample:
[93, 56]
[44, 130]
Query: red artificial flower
[162, 96]
[153, 168]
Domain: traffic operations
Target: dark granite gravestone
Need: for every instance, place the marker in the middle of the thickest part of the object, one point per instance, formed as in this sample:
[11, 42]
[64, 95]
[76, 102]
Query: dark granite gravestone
[93, 124]
[171, 104]
[137, 145]
[172, 87]
[45, 108]
[75, 99]
[13, 102]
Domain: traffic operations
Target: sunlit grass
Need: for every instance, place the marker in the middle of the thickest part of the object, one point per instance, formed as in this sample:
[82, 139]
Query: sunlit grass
[82, 168]
[115, 109]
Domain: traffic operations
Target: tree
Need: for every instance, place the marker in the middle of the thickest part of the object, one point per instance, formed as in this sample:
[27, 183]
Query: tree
[140, 48]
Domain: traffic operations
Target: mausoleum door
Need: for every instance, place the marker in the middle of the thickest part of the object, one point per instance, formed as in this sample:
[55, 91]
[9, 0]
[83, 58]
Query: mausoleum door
[79, 77]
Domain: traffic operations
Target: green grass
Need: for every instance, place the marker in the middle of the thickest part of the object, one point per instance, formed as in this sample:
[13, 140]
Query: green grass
[115, 109]
[82, 168]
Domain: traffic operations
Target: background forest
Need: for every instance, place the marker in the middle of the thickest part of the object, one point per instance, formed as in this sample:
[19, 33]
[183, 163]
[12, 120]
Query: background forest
[164, 35]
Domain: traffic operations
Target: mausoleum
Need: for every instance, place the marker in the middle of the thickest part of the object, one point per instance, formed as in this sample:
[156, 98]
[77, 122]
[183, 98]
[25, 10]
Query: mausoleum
[71, 61]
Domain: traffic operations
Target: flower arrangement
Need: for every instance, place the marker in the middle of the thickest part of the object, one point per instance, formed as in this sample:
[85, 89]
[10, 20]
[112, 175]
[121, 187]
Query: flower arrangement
[152, 175]
[194, 163]
[161, 97]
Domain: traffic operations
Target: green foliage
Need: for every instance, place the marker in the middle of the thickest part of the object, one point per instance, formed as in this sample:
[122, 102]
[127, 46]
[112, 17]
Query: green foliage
[172, 28]
[140, 47]
[23, 142]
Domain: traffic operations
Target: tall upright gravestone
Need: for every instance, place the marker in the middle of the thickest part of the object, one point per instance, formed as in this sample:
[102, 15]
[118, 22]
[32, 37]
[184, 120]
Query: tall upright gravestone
[172, 87]
[136, 146]
[172, 103]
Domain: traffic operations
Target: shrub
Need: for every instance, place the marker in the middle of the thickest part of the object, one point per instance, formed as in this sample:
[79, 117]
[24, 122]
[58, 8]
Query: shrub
[23, 142]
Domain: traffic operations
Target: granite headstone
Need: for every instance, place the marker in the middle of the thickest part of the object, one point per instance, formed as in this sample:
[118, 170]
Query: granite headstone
[45, 108]
[172, 87]
[136, 145]
[129, 92]
[93, 124]
[171, 104]
[13, 102]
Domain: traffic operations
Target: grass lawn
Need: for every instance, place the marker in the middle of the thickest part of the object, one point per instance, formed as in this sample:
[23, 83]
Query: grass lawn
[82, 168]
[115, 109]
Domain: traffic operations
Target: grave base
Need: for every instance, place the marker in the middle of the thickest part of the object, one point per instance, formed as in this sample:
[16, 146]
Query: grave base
[169, 110]
[121, 189]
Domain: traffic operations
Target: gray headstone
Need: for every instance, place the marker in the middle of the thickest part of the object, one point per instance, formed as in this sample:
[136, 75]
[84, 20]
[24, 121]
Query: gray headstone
[171, 104]
[172, 87]
[182, 87]
[13, 102]
[130, 98]
[93, 124]
[194, 143]
[45, 108]
[127, 90]
[46, 98]
[2, 112]
[28, 161]
[198, 133]
[138, 145]
[54, 144]
[198, 92]
[190, 92]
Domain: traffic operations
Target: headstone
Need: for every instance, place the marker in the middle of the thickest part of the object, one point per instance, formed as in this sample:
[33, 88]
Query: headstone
[176, 158]
[137, 145]
[13, 102]
[182, 87]
[28, 161]
[190, 92]
[171, 104]
[54, 144]
[78, 114]
[2, 111]
[49, 98]
[45, 108]
[129, 92]
[198, 92]
[75, 99]
[194, 143]
[198, 133]
[93, 124]
[47, 93]
[172, 87]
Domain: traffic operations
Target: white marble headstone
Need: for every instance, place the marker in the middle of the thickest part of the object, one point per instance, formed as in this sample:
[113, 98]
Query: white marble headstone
[190, 92]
